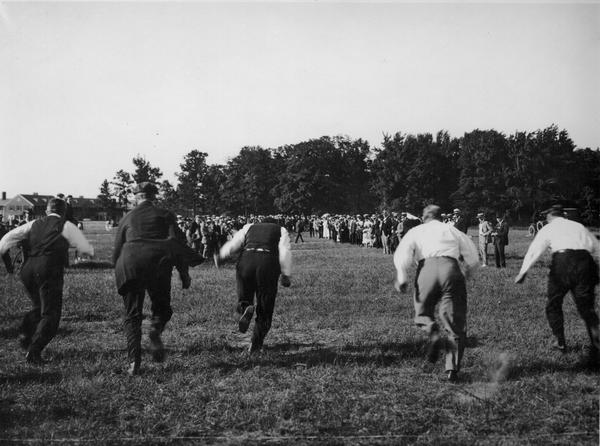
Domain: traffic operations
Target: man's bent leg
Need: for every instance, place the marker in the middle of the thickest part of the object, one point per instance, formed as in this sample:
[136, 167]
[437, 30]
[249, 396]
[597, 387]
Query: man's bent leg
[586, 278]
[159, 292]
[453, 314]
[245, 282]
[554, 312]
[133, 301]
[51, 289]
[266, 292]
[426, 297]
[33, 316]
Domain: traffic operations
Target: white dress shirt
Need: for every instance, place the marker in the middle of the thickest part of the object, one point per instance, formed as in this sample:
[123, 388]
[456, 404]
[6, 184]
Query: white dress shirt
[70, 232]
[284, 247]
[484, 228]
[433, 239]
[557, 235]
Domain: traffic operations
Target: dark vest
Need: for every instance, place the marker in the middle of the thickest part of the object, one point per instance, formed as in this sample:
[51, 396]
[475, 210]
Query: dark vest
[45, 240]
[263, 236]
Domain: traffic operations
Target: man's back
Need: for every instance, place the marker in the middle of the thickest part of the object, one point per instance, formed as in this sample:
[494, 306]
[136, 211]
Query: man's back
[147, 221]
[144, 222]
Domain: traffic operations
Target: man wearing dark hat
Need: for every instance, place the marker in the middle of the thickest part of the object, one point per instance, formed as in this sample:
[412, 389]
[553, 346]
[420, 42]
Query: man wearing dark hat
[265, 254]
[460, 221]
[48, 241]
[500, 239]
[438, 248]
[148, 244]
[573, 268]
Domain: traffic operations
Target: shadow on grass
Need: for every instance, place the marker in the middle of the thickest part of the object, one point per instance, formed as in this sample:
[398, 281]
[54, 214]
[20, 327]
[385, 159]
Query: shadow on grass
[546, 367]
[382, 355]
[71, 354]
[32, 376]
[15, 330]
[91, 265]
[89, 317]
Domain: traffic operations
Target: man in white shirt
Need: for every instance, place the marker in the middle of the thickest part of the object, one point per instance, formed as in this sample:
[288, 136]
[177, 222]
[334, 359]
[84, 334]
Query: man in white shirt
[574, 268]
[265, 254]
[438, 248]
[48, 240]
[485, 231]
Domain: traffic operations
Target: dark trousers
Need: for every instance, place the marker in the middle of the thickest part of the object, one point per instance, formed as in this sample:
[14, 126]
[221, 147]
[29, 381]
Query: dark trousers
[574, 271]
[257, 274]
[159, 291]
[499, 253]
[311, 232]
[299, 236]
[43, 280]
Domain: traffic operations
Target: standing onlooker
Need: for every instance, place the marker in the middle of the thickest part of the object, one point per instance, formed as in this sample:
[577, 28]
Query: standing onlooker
[500, 239]
[386, 232]
[299, 227]
[210, 240]
[574, 269]
[437, 247]
[460, 221]
[193, 235]
[485, 231]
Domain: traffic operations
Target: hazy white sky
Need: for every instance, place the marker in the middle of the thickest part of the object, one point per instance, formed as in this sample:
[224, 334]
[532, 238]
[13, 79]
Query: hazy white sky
[84, 87]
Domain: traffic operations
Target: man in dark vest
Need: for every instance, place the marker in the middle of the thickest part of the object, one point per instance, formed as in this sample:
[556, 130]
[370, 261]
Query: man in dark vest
[265, 254]
[48, 240]
[148, 244]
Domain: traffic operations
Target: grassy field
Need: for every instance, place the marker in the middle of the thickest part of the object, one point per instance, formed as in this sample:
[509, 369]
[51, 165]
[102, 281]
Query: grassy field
[343, 363]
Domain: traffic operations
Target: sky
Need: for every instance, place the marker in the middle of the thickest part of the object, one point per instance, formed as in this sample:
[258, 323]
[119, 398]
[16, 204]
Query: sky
[85, 87]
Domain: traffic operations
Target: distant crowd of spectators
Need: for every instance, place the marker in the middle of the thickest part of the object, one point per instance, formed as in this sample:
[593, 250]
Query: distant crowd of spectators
[206, 234]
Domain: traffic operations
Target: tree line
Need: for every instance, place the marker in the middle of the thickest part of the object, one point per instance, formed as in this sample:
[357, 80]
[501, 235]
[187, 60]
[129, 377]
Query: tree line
[484, 170]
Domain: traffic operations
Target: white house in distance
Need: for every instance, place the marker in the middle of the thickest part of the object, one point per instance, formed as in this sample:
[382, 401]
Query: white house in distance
[35, 205]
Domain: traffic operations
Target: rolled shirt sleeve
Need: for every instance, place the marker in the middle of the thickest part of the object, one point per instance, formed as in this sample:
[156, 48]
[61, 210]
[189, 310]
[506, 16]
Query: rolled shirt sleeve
[467, 250]
[403, 257]
[76, 239]
[236, 243]
[14, 236]
[285, 253]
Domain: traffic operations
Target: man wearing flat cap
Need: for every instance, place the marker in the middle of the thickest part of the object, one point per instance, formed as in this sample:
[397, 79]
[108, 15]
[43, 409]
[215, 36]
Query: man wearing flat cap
[148, 244]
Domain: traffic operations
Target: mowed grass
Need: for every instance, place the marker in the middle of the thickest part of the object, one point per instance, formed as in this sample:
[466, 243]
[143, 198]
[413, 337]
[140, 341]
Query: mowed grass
[343, 363]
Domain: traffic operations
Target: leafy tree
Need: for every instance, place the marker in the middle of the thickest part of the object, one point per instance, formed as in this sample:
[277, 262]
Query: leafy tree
[191, 181]
[411, 171]
[122, 186]
[311, 181]
[105, 196]
[356, 193]
[588, 174]
[168, 197]
[248, 181]
[214, 181]
[144, 171]
[484, 163]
